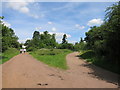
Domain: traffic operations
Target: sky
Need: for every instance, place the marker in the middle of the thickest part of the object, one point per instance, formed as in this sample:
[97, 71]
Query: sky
[71, 18]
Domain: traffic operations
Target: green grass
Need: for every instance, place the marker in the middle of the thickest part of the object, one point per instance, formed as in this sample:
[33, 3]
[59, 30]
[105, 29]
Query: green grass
[8, 54]
[90, 56]
[87, 54]
[52, 57]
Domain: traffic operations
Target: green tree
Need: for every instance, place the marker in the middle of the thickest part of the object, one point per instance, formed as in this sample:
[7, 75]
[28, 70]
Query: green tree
[81, 40]
[53, 41]
[8, 37]
[44, 40]
[104, 40]
[64, 41]
[112, 19]
[36, 35]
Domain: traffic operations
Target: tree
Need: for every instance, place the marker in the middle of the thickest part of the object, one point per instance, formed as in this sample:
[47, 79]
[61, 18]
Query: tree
[104, 40]
[46, 33]
[81, 40]
[36, 35]
[64, 41]
[53, 41]
[8, 37]
[44, 40]
[112, 19]
[1, 17]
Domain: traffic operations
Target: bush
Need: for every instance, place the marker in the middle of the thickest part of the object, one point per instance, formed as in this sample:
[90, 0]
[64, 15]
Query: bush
[50, 51]
[87, 54]
[9, 53]
[90, 56]
[31, 49]
[80, 46]
[66, 46]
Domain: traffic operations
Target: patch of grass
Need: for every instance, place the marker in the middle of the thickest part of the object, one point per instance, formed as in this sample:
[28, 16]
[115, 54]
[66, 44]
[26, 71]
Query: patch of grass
[8, 54]
[106, 65]
[0, 58]
[87, 54]
[52, 57]
[90, 56]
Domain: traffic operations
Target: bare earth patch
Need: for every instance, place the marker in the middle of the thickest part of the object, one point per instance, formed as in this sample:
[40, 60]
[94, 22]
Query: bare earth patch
[23, 71]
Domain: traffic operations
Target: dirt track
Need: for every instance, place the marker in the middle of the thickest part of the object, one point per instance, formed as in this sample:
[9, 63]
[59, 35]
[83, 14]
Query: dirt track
[23, 71]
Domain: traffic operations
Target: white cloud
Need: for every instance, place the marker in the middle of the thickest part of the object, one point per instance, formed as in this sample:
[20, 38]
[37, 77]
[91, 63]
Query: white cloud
[24, 10]
[6, 23]
[73, 42]
[69, 6]
[54, 29]
[21, 6]
[79, 27]
[21, 41]
[24, 40]
[38, 28]
[58, 36]
[34, 16]
[18, 1]
[50, 23]
[88, 29]
[94, 22]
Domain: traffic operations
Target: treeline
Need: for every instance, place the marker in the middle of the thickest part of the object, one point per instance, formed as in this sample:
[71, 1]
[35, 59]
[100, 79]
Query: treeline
[38, 41]
[8, 39]
[46, 40]
[105, 39]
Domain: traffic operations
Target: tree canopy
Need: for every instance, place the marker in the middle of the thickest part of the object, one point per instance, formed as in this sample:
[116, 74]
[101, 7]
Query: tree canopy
[8, 37]
[104, 40]
[44, 40]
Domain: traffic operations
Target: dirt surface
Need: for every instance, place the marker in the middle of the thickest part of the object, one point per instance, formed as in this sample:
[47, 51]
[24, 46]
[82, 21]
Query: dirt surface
[0, 77]
[23, 71]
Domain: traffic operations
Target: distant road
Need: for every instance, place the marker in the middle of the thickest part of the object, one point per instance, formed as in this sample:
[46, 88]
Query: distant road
[23, 71]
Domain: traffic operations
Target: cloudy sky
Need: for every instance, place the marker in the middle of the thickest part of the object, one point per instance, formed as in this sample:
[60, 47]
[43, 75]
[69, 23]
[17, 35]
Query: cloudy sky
[72, 18]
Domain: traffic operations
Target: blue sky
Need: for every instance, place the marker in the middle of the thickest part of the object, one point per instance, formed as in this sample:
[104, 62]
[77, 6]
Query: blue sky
[72, 18]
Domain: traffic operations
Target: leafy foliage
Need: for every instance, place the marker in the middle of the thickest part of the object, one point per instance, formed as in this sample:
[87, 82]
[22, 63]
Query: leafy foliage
[39, 41]
[8, 37]
[8, 54]
[64, 41]
[104, 40]
[80, 46]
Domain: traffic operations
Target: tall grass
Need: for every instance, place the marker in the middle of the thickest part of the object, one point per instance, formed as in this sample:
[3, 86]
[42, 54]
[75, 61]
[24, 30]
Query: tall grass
[52, 57]
[8, 54]
[90, 56]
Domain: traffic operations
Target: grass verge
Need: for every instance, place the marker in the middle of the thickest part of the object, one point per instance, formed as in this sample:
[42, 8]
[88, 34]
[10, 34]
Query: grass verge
[8, 54]
[90, 56]
[52, 57]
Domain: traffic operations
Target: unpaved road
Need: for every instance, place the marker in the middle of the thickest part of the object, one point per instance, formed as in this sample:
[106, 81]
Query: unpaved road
[23, 71]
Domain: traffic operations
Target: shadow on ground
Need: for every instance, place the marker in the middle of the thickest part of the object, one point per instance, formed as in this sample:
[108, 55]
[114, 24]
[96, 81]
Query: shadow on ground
[102, 74]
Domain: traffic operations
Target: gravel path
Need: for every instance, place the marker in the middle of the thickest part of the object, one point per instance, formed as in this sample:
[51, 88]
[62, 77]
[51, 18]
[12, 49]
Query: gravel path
[23, 71]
